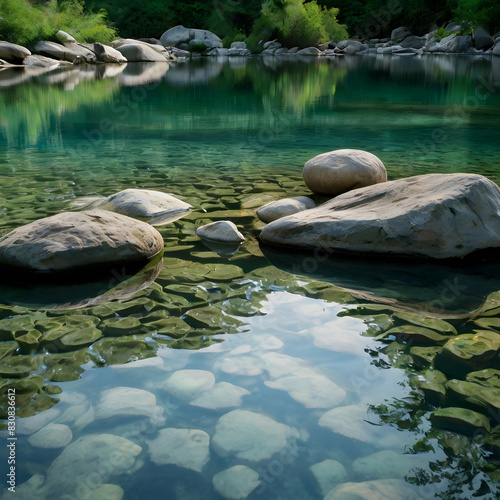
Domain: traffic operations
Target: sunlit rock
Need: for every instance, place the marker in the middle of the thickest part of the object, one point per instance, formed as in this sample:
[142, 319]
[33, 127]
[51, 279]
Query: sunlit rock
[435, 216]
[140, 52]
[154, 207]
[328, 474]
[381, 489]
[68, 52]
[51, 436]
[222, 395]
[63, 37]
[250, 436]
[310, 389]
[281, 208]
[129, 401]
[13, 53]
[343, 170]
[72, 240]
[187, 448]
[189, 384]
[222, 231]
[349, 421]
[236, 483]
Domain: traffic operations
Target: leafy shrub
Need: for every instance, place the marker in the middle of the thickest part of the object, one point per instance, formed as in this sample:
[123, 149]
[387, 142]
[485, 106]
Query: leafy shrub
[441, 33]
[197, 47]
[297, 23]
[26, 24]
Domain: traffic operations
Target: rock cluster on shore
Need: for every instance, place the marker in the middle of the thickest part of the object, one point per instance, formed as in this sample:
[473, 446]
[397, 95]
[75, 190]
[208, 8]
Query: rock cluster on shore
[181, 42]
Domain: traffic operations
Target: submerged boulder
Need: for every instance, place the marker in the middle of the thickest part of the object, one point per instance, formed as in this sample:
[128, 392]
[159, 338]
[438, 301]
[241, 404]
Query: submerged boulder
[432, 216]
[75, 240]
[339, 171]
[151, 206]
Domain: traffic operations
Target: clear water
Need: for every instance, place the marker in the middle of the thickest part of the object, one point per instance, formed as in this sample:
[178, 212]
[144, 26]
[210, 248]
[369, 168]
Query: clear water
[217, 133]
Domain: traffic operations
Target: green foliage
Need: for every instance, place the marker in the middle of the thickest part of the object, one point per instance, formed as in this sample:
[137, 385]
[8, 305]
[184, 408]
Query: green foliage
[25, 23]
[197, 47]
[483, 13]
[297, 23]
[441, 33]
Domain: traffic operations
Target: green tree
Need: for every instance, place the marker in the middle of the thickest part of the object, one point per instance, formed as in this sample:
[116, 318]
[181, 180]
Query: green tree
[478, 12]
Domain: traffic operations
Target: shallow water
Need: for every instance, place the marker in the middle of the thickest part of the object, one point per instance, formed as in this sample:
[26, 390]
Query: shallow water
[228, 136]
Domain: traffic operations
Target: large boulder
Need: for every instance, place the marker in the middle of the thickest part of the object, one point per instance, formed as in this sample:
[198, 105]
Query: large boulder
[431, 216]
[457, 45]
[413, 42]
[309, 51]
[68, 52]
[180, 35]
[107, 54]
[140, 52]
[13, 53]
[73, 240]
[339, 171]
[399, 34]
[482, 39]
[126, 41]
[151, 206]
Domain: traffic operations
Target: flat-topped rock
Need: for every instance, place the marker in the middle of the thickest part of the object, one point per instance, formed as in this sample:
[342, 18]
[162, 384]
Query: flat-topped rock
[75, 240]
[342, 170]
[144, 204]
[436, 216]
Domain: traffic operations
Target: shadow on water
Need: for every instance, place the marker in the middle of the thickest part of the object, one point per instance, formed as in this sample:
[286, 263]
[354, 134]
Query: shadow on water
[436, 289]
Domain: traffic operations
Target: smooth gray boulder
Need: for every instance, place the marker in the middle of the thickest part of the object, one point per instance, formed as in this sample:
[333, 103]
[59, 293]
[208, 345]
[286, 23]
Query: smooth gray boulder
[281, 208]
[309, 51]
[482, 39]
[73, 240]
[107, 54]
[413, 42]
[154, 207]
[127, 41]
[40, 62]
[239, 45]
[435, 216]
[399, 34]
[13, 53]
[179, 35]
[68, 52]
[339, 171]
[496, 50]
[140, 52]
[222, 231]
[457, 45]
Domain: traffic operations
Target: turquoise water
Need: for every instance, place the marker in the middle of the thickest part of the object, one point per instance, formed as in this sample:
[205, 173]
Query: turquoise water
[228, 136]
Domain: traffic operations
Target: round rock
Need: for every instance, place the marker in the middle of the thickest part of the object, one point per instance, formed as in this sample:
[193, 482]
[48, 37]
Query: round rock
[222, 231]
[51, 436]
[12, 52]
[154, 206]
[73, 240]
[250, 436]
[281, 208]
[342, 170]
[187, 448]
[236, 482]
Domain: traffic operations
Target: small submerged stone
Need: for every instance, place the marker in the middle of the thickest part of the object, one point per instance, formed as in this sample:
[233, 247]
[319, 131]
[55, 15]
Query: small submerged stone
[128, 401]
[222, 395]
[381, 489]
[310, 389]
[349, 421]
[249, 366]
[189, 384]
[52, 436]
[236, 483]
[328, 474]
[107, 492]
[248, 435]
[187, 448]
